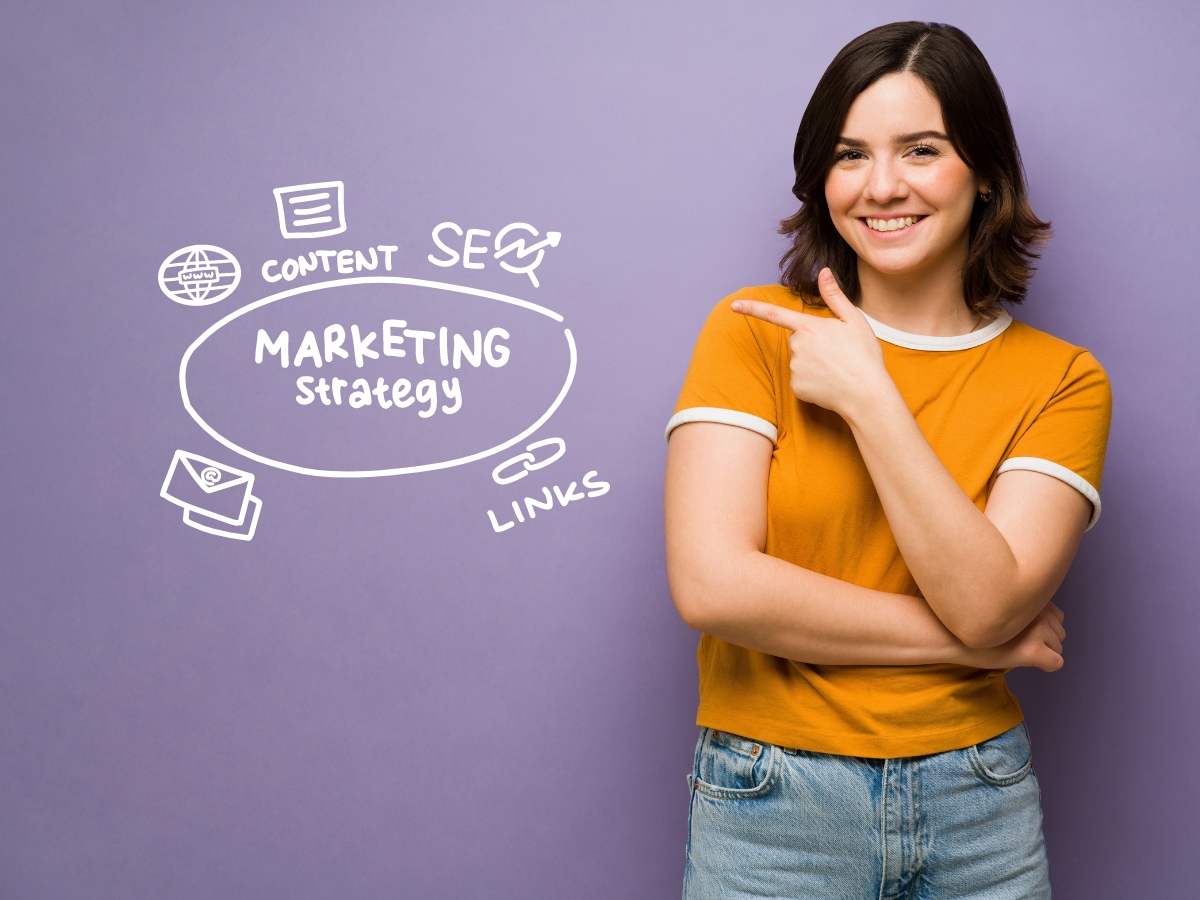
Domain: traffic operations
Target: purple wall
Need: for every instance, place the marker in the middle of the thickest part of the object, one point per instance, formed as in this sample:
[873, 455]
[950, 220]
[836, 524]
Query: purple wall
[379, 695]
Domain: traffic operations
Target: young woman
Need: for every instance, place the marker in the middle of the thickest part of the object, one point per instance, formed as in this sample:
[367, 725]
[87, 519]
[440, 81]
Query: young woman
[876, 480]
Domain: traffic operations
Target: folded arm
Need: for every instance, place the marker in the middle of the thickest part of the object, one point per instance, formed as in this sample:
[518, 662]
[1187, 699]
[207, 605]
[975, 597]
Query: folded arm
[723, 583]
[985, 574]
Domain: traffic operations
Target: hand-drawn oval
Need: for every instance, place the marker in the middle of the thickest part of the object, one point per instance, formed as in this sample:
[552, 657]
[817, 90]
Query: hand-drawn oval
[372, 376]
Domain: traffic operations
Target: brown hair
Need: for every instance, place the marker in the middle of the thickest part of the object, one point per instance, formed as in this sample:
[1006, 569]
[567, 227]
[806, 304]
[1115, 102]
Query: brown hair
[1004, 234]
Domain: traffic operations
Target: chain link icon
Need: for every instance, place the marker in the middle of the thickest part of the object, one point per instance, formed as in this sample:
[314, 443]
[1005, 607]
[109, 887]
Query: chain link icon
[528, 461]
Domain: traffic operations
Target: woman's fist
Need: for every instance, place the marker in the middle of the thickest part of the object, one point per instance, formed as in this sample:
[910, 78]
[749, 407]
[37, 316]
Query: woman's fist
[835, 363]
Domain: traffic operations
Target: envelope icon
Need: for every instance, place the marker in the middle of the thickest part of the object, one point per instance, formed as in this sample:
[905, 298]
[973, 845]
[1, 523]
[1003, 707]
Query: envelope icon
[213, 495]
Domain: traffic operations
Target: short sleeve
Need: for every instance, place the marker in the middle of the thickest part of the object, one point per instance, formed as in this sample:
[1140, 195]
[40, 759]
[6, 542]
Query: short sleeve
[730, 379]
[1069, 437]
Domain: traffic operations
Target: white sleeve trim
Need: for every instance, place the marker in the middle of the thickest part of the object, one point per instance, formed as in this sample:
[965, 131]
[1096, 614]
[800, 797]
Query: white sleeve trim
[1062, 473]
[723, 417]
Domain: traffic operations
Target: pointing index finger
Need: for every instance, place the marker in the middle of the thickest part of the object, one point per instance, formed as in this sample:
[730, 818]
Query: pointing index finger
[769, 312]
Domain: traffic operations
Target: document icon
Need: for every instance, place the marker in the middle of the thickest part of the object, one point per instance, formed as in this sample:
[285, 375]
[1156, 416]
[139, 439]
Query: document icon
[311, 210]
[215, 497]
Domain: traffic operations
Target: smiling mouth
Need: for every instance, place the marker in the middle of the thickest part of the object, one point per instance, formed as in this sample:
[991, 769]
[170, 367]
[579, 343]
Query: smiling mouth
[893, 224]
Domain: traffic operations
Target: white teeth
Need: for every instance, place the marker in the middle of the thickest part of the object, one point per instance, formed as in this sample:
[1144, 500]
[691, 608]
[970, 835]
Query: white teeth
[891, 224]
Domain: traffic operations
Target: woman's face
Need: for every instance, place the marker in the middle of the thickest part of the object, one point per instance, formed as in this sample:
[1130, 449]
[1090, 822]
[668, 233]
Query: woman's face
[897, 192]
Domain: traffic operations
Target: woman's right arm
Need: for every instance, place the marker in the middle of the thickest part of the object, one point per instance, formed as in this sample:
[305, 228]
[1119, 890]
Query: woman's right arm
[725, 585]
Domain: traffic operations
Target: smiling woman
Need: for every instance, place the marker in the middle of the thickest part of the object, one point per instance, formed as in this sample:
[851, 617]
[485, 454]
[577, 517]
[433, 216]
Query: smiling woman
[872, 129]
[876, 481]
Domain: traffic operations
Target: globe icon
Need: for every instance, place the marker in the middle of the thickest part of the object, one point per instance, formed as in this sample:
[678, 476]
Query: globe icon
[199, 275]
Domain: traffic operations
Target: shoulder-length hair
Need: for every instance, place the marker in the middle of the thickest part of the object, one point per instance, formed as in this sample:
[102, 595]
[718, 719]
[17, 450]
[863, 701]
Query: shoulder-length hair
[1004, 233]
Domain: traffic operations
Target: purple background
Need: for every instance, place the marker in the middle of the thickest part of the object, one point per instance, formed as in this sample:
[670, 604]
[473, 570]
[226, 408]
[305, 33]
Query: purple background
[379, 696]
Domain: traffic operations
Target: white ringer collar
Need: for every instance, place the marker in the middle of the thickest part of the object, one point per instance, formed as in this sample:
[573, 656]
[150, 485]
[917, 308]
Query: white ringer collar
[930, 342]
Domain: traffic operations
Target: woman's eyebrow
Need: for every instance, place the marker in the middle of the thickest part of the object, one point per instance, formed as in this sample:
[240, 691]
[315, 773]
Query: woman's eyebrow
[898, 139]
[918, 136]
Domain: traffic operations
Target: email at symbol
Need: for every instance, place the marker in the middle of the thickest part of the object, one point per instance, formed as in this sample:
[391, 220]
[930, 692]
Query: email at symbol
[216, 498]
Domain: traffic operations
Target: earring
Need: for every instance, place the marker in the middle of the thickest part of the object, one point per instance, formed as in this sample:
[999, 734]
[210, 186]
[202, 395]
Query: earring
[986, 198]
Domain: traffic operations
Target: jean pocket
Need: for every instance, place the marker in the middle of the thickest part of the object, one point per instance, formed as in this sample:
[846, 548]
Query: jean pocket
[1005, 759]
[731, 767]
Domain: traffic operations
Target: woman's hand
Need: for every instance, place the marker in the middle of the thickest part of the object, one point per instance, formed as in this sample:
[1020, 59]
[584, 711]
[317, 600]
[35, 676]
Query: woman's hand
[1038, 646]
[836, 363]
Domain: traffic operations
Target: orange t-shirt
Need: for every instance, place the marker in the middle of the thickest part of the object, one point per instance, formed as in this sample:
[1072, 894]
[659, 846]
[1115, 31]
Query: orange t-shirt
[1003, 397]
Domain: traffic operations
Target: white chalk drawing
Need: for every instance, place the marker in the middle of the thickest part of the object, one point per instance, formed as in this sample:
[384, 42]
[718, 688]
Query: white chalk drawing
[470, 248]
[216, 498]
[311, 210]
[529, 461]
[376, 473]
[545, 502]
[199, 275]
[552, 239]
[346, 262]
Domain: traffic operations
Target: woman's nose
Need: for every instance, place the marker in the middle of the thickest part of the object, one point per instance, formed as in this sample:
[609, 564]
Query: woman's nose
[885, 182]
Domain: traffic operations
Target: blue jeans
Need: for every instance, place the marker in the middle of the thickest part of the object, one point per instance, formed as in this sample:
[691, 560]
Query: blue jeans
[766, 821]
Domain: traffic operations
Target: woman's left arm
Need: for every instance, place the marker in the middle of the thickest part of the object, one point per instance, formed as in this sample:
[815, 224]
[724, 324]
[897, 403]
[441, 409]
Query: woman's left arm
[986, 575]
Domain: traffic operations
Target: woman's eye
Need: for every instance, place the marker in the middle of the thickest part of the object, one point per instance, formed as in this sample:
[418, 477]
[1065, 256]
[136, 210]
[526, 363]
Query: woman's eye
[849, 156]
[924, 151]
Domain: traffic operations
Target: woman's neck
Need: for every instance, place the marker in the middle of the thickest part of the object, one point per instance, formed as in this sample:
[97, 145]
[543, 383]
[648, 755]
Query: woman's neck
[928, 302]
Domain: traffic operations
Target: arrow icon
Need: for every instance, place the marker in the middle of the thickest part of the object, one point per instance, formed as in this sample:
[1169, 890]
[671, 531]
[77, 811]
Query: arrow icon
[551, 240]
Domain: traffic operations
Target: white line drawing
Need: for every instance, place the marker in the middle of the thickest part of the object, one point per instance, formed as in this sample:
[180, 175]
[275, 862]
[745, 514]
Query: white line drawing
[199, 275]
[212, 495]
[307, 210]
[529, 461]
[552, 239]
[546, 502]
[375, 473]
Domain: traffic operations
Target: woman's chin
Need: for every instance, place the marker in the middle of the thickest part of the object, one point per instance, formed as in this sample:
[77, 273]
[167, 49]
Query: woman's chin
[895, 265]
